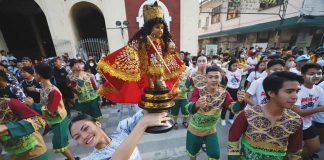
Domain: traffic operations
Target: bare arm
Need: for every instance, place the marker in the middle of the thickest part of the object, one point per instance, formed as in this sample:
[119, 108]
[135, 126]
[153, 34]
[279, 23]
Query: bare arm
[307, 112]
[248, 99]
[125, 149]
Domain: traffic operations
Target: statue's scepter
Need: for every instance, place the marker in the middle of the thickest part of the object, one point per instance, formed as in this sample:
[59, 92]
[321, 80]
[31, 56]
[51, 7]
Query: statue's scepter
[158, 53]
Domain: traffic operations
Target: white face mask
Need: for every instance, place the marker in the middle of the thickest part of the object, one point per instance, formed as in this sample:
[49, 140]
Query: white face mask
[291, 64]
[91, 64]
[242, 55]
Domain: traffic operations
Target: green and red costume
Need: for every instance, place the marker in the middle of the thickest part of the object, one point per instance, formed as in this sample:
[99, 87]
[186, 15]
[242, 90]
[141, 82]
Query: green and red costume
[22, 141]
[181, 100]
[260, 140]
[202, 125]
[85, 88]
[53, 109]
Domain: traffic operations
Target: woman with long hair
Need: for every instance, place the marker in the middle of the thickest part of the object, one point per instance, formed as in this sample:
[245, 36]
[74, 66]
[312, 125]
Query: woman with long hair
[88, 132]
[259, 72]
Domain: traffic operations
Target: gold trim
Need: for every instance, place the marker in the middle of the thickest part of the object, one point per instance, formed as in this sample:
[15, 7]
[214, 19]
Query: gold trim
[161, 96]
[152, 11]
[158, 105]
[112, 69]
[265, 145]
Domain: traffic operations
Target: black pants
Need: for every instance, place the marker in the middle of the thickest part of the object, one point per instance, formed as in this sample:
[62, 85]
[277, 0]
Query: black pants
[233, 93]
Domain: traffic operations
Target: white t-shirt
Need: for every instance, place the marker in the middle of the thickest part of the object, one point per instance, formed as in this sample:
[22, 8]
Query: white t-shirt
[308, 99]
[234, 78]
[320, 62]
[256, 75]
[294, 70]
[4, 58]
[319, 117]
[257, 91]
[321, 85]
[251, 61]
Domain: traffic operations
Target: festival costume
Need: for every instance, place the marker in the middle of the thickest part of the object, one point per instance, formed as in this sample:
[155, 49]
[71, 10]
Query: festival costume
[202, 125]
[52, 108]
[23, 140]
[198, 80]
[181, 100]
[129, 69]
[261, 141]
[85, 88]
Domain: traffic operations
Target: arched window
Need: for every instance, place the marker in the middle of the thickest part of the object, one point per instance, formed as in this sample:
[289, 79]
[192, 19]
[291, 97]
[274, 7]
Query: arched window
[140, 18]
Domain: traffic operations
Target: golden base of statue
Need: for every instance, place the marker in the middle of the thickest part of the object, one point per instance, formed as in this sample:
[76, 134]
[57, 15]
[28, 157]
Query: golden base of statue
[155, 101]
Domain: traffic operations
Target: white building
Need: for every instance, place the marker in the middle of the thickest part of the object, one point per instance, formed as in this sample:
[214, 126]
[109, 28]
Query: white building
[37, 28]
[238, 23]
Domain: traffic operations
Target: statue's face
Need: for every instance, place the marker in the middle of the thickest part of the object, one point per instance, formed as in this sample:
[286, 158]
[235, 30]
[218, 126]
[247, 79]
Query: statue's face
[157, 30]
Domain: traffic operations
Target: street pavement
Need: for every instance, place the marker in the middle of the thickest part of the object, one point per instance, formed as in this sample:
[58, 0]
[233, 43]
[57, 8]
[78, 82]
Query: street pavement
[166, 146]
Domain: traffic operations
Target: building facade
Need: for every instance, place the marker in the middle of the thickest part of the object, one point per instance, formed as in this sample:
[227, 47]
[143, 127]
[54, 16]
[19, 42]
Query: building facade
[266, 23]
[84, 26]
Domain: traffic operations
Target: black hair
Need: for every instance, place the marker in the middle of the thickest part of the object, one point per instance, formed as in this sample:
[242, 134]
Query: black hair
[308, 66]
[201, 55]
[147, 30]
[80, 117]
[233, 61]
[275, 81]
[213, 68]
[72, 62]
[44, 70]
[263, 57]
[288, 57]
[194, 58]
[275, 62]
[3, 75]
[257, 66]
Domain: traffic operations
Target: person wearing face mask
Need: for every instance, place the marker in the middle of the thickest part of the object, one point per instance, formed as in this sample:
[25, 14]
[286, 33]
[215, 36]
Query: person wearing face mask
[290, 62]
[310, 101]
[91, 66]
[255, 94]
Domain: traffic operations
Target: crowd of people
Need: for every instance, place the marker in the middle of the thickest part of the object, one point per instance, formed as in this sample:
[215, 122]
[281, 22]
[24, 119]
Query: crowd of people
[271, 124]
[279, 122]
[273, 99]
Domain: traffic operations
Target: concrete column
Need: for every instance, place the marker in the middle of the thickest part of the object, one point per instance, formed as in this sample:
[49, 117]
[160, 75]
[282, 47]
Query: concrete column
[189, 17]
[115, 38]
[3, 44]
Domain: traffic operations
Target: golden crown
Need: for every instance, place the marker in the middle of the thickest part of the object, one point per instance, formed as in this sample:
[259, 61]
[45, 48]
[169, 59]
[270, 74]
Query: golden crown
[152, 11]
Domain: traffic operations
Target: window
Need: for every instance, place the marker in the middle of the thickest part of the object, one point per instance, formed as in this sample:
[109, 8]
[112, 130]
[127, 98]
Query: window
[215, 16]
[199, 23]
[265, 4]
[207, 21]
[233, 9]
